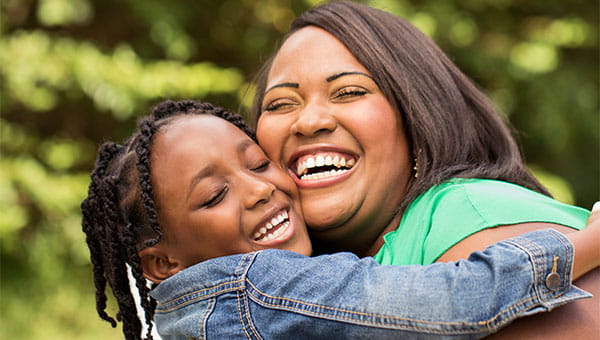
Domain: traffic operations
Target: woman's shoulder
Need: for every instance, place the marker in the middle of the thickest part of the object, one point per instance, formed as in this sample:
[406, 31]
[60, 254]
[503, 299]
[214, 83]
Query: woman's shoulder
[461, 207]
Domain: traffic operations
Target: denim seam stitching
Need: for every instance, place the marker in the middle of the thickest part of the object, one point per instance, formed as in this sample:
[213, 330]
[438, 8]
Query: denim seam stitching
[241, 271]
[541, 264]
[488, 324]
[249, 319]
[239, 308]
[203, 297]
[536, 258]
[204, 318]
[203, 290]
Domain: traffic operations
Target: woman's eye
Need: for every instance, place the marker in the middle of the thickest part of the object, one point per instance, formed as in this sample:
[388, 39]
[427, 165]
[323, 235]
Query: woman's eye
[278, 105]
[262, 166]
[349, 92]
[216, 198]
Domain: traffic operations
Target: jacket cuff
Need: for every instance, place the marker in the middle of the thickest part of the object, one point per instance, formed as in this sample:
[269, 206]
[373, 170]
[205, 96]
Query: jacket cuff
[552, 268]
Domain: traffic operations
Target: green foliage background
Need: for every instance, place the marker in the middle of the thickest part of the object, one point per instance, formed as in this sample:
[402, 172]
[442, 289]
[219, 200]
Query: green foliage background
[74, 73]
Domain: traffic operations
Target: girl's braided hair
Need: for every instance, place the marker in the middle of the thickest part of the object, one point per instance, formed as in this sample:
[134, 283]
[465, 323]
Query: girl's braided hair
[120, 216]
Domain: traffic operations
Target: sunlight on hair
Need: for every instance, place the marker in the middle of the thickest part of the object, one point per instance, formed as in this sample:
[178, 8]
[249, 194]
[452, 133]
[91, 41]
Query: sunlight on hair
[558, 186]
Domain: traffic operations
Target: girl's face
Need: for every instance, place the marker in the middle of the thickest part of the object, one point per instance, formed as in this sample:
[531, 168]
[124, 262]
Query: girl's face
[326, 121]
[218, 194]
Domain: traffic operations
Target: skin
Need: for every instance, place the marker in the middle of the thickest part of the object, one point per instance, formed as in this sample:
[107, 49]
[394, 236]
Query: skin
[302, 111]
[225, 190]
[320, 99]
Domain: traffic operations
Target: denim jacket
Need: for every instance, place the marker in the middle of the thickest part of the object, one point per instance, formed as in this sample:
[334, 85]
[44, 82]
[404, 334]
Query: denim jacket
[276, 294]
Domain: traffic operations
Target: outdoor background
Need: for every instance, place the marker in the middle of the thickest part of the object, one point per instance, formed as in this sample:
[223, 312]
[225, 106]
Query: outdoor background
[74, 73]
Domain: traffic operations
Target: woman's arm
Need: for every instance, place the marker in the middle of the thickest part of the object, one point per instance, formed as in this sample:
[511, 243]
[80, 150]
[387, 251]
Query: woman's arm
[579, 320]
[276, 294]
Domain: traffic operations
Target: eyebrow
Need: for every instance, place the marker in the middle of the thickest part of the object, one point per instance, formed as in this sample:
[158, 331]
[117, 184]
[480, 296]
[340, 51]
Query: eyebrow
[204, 172]
[342, 74]
[292, 85]
[241, 148]
[328, 79]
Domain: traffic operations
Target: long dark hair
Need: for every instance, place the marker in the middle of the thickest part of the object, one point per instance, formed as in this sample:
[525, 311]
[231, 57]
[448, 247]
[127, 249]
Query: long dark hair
[451, 126]
[120, 216]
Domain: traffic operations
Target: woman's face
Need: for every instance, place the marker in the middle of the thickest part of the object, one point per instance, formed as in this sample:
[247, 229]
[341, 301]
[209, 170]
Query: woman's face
[326, 121]
[218, 194]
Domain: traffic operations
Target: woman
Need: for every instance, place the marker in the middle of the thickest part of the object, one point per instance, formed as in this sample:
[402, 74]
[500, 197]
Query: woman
[421, 154]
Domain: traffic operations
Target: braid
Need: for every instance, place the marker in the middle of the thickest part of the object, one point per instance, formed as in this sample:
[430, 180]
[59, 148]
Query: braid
[88, 207]
[120, 215]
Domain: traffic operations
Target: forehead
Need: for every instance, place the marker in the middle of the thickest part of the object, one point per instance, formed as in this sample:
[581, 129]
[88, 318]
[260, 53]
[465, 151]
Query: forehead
[312, 51]
[200, 133]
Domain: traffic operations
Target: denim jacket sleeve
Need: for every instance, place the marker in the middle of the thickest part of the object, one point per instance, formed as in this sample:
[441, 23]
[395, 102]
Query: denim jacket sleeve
[275, 294]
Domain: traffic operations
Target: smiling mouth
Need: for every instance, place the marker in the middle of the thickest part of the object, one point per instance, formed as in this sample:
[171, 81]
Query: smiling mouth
[273, 228]
[322, 165]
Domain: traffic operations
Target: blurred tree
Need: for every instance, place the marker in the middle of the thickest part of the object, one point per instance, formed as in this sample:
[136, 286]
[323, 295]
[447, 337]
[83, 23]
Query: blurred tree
[74, 73]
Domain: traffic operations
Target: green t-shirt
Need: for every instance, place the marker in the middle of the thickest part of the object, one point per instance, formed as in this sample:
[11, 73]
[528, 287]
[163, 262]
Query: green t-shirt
[447, 213]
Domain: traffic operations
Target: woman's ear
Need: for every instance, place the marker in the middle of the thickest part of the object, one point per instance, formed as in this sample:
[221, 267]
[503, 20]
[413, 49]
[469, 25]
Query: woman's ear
[157, 265]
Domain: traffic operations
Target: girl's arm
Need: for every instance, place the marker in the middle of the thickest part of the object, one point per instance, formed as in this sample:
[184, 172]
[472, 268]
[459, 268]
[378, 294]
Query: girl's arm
[577, 320]
[279, 294]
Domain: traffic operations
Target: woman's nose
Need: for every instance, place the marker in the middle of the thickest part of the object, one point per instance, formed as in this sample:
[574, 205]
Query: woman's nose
[258, 191]
[313, 120]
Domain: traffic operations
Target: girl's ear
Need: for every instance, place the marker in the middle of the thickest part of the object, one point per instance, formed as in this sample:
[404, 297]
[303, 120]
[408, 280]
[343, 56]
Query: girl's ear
[157, 265]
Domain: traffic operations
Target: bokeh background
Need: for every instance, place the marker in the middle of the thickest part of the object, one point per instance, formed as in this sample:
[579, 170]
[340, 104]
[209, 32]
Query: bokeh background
[74, 73]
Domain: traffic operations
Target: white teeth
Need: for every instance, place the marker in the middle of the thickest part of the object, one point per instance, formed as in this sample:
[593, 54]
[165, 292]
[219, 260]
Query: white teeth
[320, 161]
[275, 221]
[323, 160]
[324, 174]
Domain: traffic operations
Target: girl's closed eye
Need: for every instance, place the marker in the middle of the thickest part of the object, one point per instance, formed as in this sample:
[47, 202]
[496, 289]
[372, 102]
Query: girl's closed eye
[215, 198]
[261, 166]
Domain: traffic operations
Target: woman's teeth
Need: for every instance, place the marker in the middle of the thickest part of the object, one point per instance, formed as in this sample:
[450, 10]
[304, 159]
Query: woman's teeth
[333, 165]
[272, 229]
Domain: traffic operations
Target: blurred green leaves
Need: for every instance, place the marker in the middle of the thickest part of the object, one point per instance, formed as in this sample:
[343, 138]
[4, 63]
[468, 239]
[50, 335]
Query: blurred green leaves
[74, 73]
[39, 68]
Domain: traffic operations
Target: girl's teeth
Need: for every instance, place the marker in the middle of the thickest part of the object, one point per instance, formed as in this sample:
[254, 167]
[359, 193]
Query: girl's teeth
[275, 221]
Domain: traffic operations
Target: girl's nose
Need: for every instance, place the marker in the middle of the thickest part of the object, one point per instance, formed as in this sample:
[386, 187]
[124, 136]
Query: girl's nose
[258, 191]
